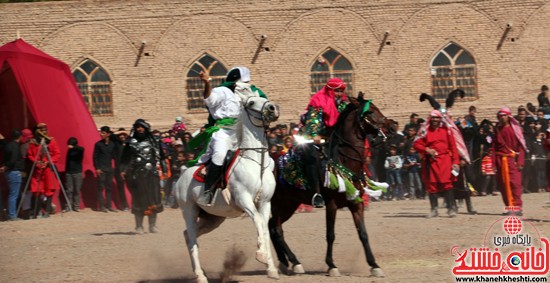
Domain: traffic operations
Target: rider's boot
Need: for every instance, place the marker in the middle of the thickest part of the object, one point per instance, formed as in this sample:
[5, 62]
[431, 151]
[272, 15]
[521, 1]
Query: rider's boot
[433, 206]
[212, 176]
[313, 180]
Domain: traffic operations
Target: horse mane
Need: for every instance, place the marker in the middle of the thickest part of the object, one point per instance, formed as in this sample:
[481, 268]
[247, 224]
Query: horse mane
[354, 103]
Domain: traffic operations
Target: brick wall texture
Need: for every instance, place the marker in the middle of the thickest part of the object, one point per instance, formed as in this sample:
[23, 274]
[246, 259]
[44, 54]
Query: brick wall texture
[393, 73]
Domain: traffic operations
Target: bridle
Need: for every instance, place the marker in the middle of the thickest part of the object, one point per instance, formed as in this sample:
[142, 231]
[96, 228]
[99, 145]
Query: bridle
[257, 114]
[366, 116]
[252, 116]
[363, 115]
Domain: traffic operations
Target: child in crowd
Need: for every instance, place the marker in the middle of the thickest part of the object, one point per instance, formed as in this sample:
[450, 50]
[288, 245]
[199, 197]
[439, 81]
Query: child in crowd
[177, 165]
[488, 173]
[413, 167]
[393, 166]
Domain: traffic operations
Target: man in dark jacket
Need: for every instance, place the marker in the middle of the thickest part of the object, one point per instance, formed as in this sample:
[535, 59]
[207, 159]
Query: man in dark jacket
[13, 166]
[73, 174]
[105, 151]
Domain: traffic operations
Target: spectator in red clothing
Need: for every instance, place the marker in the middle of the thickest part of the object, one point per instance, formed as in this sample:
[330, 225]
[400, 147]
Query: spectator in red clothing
[179, 127]
[509, 156]
[440, 157]
[43, 180]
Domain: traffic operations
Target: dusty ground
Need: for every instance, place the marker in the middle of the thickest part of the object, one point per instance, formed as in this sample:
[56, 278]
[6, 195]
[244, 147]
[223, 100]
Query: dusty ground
[100, 247]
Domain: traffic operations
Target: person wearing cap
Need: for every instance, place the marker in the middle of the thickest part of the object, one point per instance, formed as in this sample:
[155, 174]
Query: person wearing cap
[509, 150]
[321, 115]
[13, 166]
[224, 106]
[179, 126]
[43, 180]
[440, 162]
[140, 159]
[105, 152]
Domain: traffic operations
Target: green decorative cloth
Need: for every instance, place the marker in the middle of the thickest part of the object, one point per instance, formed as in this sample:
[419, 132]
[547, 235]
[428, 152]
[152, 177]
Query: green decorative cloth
[205, 137]
[314, 123]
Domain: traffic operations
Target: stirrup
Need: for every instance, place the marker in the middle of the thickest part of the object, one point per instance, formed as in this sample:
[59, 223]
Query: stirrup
[206, 198]
[317, 201]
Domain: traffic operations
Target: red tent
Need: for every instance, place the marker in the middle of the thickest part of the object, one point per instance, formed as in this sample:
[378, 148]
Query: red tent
[35, 87]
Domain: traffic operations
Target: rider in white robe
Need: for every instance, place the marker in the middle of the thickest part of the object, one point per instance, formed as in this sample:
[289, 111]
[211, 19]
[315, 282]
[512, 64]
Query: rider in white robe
[224, 106]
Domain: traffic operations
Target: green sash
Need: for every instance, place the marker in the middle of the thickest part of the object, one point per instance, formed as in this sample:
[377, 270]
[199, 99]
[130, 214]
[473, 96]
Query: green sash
[206, 136]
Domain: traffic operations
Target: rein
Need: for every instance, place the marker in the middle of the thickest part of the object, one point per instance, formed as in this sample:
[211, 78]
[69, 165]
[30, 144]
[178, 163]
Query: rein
[261, 150]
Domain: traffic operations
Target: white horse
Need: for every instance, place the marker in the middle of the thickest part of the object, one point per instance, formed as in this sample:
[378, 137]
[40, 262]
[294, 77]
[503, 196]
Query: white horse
[250, 187]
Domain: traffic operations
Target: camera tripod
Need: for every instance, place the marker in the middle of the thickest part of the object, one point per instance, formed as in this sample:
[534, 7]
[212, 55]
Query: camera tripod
[42, 151]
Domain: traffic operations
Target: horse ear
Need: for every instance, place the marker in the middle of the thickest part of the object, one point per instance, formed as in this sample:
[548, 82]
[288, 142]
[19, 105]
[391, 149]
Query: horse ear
[452, 96]
[361, 96]
[354, 101]
[431, 99]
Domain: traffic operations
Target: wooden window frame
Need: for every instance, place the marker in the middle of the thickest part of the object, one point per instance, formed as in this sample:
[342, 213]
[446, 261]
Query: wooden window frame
[95, 100]
[318, 79]
[455, 76]
[195, 87]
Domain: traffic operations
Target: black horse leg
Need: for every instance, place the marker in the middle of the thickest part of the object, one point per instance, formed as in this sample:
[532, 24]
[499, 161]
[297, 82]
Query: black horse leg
[276, 235]
[275, 224]
[330, 218]
[357, 214]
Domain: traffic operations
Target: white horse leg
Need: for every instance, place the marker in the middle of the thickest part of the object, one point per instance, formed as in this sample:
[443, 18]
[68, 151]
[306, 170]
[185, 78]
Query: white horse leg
[260, 218]
[265, 212]
[190, 215]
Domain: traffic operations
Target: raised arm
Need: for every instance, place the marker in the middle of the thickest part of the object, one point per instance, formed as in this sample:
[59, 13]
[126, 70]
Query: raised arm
[207, 84]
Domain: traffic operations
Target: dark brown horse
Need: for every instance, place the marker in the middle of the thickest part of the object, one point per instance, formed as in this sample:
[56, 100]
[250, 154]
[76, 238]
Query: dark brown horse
[346, 146]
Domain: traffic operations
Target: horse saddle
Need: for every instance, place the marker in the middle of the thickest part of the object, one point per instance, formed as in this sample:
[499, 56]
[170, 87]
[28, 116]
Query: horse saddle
[230, 158]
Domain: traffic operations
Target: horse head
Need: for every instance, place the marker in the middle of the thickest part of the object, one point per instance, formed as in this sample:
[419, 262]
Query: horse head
[372, 121]
[260, 111]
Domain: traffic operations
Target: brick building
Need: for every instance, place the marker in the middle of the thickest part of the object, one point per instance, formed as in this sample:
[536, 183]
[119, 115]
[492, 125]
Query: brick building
[136, 59]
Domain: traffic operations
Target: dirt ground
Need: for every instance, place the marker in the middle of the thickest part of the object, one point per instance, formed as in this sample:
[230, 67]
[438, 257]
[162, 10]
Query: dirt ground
[93, 246]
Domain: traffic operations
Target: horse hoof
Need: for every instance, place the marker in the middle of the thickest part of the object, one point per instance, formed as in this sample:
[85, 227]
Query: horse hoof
[273, 274]
[298, 269]
[377, 272]
[261, 257]
[334, 272]
[284, 269]
[202, 280]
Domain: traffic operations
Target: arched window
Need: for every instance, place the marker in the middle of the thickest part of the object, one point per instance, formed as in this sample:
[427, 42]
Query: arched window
[195, 88]
[329, 65]
[95, 86]
[453, 67]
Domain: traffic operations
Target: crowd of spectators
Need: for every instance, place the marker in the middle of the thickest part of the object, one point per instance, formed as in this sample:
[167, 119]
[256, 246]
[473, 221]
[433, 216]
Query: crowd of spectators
[395, 162]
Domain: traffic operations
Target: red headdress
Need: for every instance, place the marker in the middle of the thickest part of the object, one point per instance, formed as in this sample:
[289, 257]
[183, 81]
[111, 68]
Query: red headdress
[324, 99]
